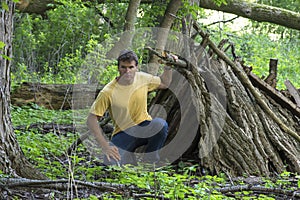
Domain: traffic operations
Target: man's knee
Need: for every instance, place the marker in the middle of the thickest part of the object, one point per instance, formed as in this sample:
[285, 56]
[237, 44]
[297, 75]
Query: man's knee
[159, 122]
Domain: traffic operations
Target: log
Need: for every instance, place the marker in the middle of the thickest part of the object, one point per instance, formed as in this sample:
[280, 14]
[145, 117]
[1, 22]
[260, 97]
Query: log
[55, 96]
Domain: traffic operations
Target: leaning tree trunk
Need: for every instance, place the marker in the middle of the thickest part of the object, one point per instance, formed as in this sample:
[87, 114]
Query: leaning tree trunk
[212, 108]
[12, 159]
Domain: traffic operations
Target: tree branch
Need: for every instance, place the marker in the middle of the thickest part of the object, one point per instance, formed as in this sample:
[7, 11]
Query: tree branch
[257, 12]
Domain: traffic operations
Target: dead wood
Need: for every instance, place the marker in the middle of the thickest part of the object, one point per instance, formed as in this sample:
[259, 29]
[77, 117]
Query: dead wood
[239, 128]
[274, 94]
[41, 188]
[272, 77]
[15, 186]
[293, 91]
[259, 189]
[59, 128]
[55, 96]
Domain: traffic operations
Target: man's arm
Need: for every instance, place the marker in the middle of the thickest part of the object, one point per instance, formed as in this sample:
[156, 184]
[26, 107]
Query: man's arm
[109, 151]
[166, 78]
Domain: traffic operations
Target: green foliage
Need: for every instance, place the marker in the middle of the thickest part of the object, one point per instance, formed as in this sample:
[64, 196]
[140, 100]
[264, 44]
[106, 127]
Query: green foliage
[54, 45]
[256, 49]
[148, 15]
[4, 6]
[2, 45]
[27, 115]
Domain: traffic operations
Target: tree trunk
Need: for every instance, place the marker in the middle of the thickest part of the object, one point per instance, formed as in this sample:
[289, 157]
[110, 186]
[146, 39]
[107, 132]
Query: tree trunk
[12, 159]
[238, 129]
[126, 37]
[257, 12]
[163, 31]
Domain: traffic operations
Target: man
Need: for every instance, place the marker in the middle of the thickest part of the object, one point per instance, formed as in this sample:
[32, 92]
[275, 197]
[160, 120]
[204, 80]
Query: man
[125, 98]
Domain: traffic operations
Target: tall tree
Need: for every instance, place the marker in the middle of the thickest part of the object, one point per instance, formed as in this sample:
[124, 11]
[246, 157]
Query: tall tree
[12, 159]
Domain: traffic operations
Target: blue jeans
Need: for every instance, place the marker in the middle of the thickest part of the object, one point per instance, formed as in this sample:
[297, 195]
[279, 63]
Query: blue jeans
[152, 133]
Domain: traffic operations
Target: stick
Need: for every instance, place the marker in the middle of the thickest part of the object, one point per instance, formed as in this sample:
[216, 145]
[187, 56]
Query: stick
[293, 91]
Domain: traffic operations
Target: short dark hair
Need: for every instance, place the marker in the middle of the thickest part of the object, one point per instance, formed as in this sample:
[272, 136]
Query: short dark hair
[127, 55]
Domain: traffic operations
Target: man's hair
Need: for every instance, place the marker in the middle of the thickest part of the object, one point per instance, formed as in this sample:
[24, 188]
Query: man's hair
[127, 55]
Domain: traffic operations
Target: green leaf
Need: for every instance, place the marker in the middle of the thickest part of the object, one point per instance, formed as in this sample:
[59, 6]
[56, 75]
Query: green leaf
[5, 57]
[2, 45]
[4, 6]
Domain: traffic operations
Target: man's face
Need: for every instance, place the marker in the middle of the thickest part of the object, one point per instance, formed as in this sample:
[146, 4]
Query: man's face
[127, 72]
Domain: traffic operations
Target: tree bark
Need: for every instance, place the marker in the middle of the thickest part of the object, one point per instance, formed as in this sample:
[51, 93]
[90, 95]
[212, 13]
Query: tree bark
[12, 159]
[257, 12]
[253, 11]
[163, 31]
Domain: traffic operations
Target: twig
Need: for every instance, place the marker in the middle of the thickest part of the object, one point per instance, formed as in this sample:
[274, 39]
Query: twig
[222, 21]
[153, 196]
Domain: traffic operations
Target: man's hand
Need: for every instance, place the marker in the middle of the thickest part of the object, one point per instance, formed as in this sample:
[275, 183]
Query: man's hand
[112, 152]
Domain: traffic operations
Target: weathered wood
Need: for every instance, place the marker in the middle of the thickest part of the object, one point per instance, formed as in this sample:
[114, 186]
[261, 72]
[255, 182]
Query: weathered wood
[55, 96]
[257, 12]
[293, 91]
[272, 77]
[274, 94]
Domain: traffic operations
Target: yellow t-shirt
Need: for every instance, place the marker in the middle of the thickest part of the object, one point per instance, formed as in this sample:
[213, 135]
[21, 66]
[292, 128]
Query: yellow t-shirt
[127, 104]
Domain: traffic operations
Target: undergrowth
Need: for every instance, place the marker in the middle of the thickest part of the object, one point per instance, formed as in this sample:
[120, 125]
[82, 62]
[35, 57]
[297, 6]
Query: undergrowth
[48, 152]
